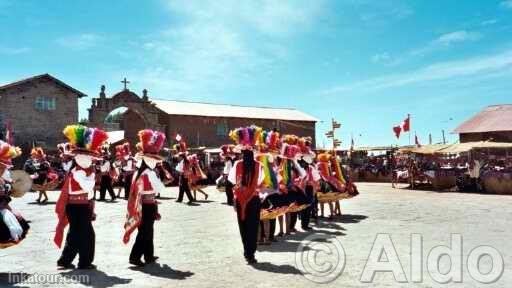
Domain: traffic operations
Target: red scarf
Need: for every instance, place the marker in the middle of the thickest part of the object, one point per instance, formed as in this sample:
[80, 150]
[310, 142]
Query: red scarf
[245, 194]
[60, 207]
[134, 214]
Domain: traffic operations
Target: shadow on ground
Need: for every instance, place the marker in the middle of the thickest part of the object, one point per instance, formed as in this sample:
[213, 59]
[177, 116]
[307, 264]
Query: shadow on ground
[95, 278]
[8, 279]
[163, 271]
[43, 204]
[273, 268]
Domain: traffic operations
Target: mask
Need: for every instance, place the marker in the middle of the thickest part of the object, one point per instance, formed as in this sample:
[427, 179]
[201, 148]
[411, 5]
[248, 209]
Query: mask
[83, 161]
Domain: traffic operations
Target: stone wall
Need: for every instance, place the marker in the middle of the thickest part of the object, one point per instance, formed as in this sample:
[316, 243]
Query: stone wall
[17, 104]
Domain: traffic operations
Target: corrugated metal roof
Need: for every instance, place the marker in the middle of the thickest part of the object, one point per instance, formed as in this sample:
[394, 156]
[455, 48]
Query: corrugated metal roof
[492, 118]
[174, 107]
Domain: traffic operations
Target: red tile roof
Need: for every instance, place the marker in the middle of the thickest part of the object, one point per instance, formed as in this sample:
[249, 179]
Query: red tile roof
[492, 118]
[48, 76]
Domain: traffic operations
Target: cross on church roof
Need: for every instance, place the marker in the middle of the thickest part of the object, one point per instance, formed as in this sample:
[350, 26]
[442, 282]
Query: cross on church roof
[125, 82]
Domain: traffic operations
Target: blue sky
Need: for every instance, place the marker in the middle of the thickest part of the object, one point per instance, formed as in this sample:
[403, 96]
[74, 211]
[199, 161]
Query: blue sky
[366, 63]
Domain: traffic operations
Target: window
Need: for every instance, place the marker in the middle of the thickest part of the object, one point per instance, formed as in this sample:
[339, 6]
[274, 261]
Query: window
[222, 129]
[45, 103]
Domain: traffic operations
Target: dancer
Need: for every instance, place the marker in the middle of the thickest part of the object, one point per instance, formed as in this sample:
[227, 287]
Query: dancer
[184, 170]
[311, 181]
[198, 180]
[38, 169]
[291, 179]
[127, 166]
[247, 176]
[228, 154]
[142, 206]
[108, 173]
[13, 227]
[274, 203]
[76, 203]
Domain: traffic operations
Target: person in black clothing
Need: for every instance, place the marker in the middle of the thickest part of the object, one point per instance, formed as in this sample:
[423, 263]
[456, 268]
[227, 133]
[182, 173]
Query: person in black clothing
[106, 169]
[185, 170]
[142, 205]
[38, 168]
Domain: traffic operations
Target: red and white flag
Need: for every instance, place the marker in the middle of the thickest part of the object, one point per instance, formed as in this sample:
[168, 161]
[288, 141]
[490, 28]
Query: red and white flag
[397, 129]
[406, 126]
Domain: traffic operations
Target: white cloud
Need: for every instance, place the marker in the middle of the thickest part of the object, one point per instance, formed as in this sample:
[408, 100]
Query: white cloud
[13, 51]
[80, 42]
[458, 36]
[446, 40]
[475, 67]
[489, 22]
[380, 57]
[220, 43]
[507, 4]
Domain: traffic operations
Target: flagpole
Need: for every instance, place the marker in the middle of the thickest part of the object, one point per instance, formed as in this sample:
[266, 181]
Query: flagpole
[409, 122]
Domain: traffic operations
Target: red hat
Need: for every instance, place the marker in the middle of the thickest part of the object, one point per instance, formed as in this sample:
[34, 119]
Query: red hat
[123, 150]
[289, 151]
[305, 149]
[181, 147]
[38, 153]
[7, 153]
[151, 142]
[193, 159]
[228, 150]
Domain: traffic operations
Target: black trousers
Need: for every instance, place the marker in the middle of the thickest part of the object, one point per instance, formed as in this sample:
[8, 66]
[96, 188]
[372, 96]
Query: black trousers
[80, 238]
[106, 184]
[184, 188]
[306, 213]
[143, 245]
[229, 193]
[127, 185]
[249, 227]
[293, 220]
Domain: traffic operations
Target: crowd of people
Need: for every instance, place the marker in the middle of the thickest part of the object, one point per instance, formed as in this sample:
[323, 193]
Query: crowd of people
[268, 178]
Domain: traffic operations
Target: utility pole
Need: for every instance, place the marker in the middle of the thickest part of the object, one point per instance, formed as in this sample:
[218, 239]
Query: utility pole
[444, 139]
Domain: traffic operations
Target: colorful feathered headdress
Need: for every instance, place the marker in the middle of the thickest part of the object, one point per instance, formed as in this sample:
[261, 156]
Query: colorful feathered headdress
[7, 153]
[246, 137]
[324, 157]
[150, 143]
[85, 140]
[37, 153]
[123, 151]
[269, 142]
[305, 149]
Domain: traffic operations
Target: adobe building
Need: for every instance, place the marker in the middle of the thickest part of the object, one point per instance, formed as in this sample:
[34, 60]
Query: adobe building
[38, 109]
[494, 123]
[201, 124]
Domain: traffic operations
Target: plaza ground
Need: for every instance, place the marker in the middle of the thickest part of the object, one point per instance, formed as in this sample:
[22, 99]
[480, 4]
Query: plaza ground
[199, 246]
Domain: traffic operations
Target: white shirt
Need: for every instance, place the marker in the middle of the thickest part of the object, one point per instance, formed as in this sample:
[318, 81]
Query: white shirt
[105, 167]
[232, 173]
[128, 167]
[86, 183]
[67, 165]
[227, 167]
